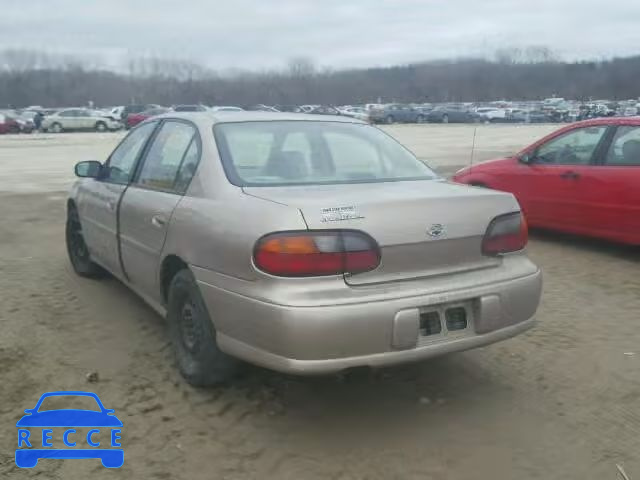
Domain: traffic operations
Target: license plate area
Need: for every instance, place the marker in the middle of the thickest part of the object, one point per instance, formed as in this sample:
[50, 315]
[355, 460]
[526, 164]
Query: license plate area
[438, 322]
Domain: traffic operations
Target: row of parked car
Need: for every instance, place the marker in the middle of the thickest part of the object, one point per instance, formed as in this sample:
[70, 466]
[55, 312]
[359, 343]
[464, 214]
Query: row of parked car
[86, 119]
[115, 118]
[549, 111]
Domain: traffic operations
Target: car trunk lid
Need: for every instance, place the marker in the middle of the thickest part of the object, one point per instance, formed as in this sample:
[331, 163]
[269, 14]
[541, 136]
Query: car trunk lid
[423, 228]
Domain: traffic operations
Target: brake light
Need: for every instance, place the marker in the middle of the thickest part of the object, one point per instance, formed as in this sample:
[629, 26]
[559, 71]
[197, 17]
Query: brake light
[506, 233]
[316, 253]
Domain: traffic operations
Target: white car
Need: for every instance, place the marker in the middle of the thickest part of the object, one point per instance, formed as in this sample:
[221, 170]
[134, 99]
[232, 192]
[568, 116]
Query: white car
[116, 112]
[491, 113]
[374, 106]
[355, 112]
[80, 119]
[308, 108]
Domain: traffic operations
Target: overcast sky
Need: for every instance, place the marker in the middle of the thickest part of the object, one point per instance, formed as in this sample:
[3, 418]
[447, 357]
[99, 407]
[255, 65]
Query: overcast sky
[257, 34]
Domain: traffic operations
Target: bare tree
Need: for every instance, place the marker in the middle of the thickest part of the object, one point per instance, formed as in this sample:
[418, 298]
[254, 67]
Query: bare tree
[34, 77]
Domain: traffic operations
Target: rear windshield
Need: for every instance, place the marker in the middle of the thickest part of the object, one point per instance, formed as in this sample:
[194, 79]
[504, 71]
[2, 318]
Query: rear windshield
[312, 153]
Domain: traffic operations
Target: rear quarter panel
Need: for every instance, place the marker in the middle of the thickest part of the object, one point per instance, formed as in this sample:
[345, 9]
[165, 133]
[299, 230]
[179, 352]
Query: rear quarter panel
[219, 234]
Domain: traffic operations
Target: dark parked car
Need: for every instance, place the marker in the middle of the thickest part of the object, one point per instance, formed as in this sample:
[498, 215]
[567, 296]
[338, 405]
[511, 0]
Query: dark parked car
[189, 108]
[453, 114]
[289, 108]
[538, 116]
[396, 112]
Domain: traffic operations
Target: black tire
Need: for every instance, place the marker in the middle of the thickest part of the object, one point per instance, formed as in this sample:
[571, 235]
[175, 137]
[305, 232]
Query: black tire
[101, 127]
[199, 359]
[420, 119]
[77, 248]
[55, 128]
[389, 119]
[445, 118]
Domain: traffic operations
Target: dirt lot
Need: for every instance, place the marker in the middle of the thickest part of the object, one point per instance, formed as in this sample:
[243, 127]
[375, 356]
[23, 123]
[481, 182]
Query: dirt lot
[560, 402]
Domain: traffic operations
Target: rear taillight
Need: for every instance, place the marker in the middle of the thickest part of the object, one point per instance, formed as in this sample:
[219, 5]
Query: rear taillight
[316, 253]
[506, 233]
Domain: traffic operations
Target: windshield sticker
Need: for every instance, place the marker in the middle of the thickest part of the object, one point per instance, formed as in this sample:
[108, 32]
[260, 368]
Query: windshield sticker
[337, 214]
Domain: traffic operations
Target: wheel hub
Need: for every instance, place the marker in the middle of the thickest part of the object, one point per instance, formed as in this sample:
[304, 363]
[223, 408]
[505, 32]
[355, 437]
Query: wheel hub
[188, 325]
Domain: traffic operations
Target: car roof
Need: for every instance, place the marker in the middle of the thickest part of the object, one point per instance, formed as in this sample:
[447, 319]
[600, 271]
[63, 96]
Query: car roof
[254, 116]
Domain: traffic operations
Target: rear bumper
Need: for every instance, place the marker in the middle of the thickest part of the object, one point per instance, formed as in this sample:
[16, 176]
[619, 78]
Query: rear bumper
[316, 367]
[330, 338]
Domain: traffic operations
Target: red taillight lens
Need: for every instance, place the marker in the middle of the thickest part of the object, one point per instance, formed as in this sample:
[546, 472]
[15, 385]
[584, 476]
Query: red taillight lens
[316, 253]
[506, 233]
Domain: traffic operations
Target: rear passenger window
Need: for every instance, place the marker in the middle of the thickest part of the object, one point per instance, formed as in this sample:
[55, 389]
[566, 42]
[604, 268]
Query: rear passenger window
[165, 156]
[625, 147]
[188, 167]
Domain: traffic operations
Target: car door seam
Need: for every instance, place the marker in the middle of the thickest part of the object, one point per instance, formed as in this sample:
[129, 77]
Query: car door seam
[137, 165]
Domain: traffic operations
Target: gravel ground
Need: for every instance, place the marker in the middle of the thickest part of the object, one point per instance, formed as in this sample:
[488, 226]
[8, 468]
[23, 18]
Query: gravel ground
[561, 401]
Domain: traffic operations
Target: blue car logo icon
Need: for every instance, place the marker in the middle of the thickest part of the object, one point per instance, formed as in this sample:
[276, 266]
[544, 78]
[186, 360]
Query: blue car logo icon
[28, 452]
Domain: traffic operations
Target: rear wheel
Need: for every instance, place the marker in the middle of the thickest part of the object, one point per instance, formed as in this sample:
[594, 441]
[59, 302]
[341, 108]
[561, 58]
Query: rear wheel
[56, 127]
[389, 119]
[199, 359]
[101, 127]
[445, 118]
[77, 248]
[420, 119]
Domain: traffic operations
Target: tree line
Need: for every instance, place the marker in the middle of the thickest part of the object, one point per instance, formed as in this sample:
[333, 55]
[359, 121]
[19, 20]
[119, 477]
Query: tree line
[32, 78]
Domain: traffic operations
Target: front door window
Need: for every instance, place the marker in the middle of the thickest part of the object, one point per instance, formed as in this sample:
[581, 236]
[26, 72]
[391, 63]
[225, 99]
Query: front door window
[573, 148]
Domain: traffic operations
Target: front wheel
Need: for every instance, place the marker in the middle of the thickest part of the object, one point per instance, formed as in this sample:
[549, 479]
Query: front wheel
[445, 119]
[420, 119]
[56, 128]
[389, 119]
[199, 359]
[101, 127]
[77, 248]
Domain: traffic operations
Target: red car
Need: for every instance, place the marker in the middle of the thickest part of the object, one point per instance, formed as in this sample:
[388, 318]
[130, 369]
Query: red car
[9, 125]
[582, 179]
[135, 118]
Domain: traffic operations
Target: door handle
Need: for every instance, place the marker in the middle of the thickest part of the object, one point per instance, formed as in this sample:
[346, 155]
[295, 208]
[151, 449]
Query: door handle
[158, 221]
[570, 175]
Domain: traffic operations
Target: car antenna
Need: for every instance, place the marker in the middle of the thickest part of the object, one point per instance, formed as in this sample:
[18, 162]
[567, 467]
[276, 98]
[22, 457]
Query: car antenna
[473, 146]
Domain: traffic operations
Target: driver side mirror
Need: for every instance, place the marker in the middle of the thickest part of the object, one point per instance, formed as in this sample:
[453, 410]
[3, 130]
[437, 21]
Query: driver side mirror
[88, 169]
[526, 158]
